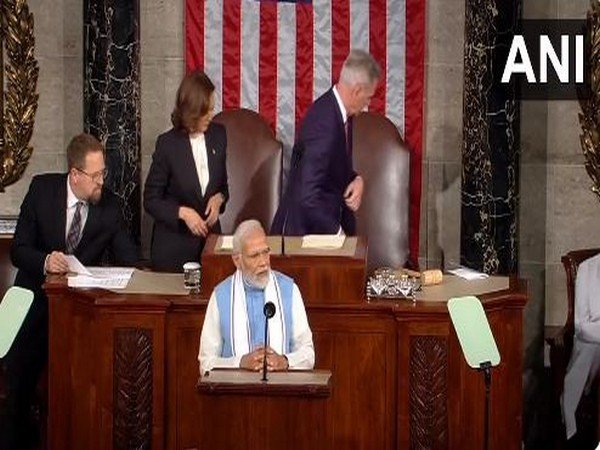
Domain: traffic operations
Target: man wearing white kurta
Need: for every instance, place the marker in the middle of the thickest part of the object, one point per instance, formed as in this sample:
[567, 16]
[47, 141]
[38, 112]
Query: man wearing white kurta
[584, 365]
[233, 331]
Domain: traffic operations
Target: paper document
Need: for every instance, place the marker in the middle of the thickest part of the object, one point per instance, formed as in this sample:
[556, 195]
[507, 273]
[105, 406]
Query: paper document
[111, 272]
[102, 277]
[75, 265]
[323, 241]
[468, 274]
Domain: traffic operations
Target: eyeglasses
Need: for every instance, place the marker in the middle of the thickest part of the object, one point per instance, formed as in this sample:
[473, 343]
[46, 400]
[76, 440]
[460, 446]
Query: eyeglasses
[96, 177]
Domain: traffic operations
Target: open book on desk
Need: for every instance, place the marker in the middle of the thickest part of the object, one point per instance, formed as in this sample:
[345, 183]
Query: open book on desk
[101, 277]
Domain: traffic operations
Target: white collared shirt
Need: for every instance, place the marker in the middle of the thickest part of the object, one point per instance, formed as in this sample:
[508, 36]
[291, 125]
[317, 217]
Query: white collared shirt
[71, 206]
[340, 105]
[345, 119]
[198, 143]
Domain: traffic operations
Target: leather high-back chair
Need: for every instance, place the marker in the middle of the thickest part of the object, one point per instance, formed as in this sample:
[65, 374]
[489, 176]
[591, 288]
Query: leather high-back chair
[560, 341]
[383, 160]
[254, 169]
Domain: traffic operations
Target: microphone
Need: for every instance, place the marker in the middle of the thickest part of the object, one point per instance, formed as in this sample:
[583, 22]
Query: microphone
[268, 311]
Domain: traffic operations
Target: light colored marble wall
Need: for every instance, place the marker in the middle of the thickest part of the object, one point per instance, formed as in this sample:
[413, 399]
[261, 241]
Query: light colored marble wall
[59, 52]
[440, 200]
[162, 68]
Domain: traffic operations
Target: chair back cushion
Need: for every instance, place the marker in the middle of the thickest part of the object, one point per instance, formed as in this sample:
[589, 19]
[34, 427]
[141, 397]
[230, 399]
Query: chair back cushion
[254, 165]
[383, 160]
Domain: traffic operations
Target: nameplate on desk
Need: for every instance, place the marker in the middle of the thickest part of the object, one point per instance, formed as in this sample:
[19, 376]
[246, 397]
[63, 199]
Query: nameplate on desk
[323, 241]
[224, 243]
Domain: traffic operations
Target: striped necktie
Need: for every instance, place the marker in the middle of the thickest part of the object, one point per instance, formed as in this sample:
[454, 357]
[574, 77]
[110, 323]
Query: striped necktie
[75, 230]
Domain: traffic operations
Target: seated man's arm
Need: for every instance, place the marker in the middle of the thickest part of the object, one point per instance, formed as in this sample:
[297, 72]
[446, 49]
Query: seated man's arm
[302, 355]
[25, 254]
[587, 283]
[211, 342]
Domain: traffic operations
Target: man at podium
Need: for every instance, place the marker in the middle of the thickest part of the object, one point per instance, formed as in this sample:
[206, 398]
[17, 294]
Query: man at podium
[233, 331]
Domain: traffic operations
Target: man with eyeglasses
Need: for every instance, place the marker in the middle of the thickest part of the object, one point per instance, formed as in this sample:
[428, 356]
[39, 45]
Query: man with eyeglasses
[233, 330]
[61, 214]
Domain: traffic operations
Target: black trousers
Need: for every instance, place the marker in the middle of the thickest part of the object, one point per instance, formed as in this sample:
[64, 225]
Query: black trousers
[23, 366]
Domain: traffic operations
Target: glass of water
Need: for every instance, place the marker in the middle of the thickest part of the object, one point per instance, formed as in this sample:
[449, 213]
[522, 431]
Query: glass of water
[191, 276]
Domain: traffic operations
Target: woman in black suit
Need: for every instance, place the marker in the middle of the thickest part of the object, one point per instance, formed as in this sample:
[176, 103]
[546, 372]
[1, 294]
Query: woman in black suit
[186, 188]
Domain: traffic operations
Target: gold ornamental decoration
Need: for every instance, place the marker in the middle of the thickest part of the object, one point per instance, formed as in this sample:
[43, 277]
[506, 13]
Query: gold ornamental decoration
[589, 117]
[19, 101]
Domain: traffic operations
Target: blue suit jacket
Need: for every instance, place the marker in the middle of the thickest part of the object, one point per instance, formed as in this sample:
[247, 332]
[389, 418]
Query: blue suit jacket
[321, 169]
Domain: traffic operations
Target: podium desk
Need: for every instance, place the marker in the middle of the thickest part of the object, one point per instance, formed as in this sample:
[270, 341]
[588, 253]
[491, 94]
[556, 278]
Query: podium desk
[287, 411]
[123, 371]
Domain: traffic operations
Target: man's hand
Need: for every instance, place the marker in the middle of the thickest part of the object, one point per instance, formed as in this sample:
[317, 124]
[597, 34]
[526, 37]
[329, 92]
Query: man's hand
[275, 361]
[212, 208]
[353, 193]
[253, 360]
[193, 221]
[56, 263]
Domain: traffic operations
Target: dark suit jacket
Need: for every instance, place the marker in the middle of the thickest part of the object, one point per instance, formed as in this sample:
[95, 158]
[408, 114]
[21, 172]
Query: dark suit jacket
[41, 229]
[173, 182]
[320, 172]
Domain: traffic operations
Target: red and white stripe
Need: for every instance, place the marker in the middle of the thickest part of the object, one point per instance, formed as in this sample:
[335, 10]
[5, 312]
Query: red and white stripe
[277, 57]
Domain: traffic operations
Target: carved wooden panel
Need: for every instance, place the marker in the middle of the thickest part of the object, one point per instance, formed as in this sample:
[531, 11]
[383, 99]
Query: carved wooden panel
[428, 393]
[132, 389]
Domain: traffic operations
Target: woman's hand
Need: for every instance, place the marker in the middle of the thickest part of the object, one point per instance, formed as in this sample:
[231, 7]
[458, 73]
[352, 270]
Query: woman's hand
[212, 208]
[194, 222]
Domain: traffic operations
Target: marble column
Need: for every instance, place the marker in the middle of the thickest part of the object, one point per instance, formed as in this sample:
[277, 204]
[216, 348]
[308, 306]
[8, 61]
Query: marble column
[112, 96]
[490, 158]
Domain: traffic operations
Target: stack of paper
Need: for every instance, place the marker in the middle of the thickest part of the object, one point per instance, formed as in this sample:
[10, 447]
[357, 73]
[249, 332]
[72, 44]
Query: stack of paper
[468, 274]
[100, 277]
[323, 241]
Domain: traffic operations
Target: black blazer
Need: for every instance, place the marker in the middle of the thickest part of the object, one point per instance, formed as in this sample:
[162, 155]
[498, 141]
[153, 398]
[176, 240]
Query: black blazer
[173, 182]
[41, 229]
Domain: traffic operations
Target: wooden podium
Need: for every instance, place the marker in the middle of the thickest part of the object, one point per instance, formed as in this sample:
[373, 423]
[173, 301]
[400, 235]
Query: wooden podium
[123, 369]
[288, 411]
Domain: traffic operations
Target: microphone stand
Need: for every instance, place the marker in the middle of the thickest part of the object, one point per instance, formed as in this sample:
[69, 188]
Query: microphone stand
[268, 311]
[264, 367]
[486, 368]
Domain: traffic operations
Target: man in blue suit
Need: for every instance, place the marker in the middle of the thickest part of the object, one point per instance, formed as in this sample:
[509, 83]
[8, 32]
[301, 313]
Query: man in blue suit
[323, 190]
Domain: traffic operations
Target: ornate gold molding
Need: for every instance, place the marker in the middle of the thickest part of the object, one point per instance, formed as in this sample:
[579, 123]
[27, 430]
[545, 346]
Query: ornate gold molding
[589, 117]
[19, 101]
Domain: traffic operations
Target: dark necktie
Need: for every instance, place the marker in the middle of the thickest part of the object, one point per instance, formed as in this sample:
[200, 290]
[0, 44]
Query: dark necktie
[75, 230]
[347, 137]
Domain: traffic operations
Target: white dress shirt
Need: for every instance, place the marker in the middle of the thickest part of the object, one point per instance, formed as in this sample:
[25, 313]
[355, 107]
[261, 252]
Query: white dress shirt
[198, 143]
[340, 105]
[344, 119]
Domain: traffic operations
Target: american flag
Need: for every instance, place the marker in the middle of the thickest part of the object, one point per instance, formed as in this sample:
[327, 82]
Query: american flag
[276, 57]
